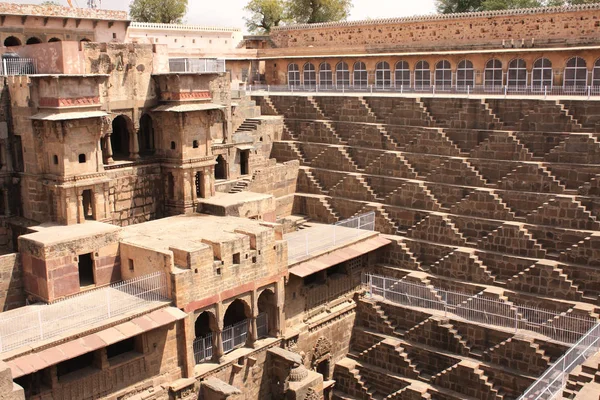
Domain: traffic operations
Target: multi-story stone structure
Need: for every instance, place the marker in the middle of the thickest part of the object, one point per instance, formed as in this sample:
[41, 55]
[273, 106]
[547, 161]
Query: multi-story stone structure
[166, 237]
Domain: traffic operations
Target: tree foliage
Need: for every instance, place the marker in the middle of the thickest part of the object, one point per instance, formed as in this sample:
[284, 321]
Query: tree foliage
[454, 6]
[158, 11]
[50, 3]
[265, 14]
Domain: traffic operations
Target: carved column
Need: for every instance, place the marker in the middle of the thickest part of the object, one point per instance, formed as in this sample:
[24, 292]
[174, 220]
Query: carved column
[252, 332]
[134, 154]
[80, 210]
[109, 151]
[218, 352]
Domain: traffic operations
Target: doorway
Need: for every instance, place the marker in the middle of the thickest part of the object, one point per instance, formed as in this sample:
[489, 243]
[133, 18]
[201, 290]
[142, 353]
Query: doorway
[86, 270]
[244, 157]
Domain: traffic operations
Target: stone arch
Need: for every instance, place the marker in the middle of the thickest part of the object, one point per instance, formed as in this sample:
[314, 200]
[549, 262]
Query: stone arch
[237, 311]
[33, 40]
[12, 41]
[321, 352]
[147, 135]
[575, 73]
[54, 39]
[85, 40]
[267, 303]
[204, 327]
[120, 139]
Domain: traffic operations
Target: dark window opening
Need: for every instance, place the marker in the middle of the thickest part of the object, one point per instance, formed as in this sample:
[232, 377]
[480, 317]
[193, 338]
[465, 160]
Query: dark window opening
[2, 205]
[236, 312]
[202, 327]
[310, 279]
[195, 144]
[244, 156]
[54, 39]
[120, 348]
[82, 159]
[236, 258]
[33, 40]
[147, 145]
[221, 168]
[75, 364]
[119, 139]
[336, 269]
[173, 145]
[88, 206]
[114, 35]
[323, 369]
[12, 41]
[86, 270]
[131, 266]
[34, 383]
[55, 159]
[18, 154]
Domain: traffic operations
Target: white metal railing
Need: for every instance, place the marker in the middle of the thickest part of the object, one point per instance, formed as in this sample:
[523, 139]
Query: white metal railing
[302, 244]
[334, 288]
[19, 66]
[197, 65]
[182, 27]
[43, 322]
[203, 348]
[262, 325]
[432, 89]
[552, 382]
[235, 336]
[559, 326]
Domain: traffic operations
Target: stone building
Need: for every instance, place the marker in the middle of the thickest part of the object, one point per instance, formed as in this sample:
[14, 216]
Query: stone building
[167, 235]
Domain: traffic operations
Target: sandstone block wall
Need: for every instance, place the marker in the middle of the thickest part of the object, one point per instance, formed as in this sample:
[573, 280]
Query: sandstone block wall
[12, 294]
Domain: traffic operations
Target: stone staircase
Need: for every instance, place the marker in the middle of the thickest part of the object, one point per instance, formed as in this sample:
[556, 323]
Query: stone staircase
[240, 186]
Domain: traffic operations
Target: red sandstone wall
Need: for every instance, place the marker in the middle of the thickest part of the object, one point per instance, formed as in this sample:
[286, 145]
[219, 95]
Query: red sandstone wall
[11, 285]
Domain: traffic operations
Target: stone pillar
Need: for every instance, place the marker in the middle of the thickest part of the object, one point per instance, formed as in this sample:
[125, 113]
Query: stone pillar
[6, 201]
[252, 332]
[218, 346]
[80, 210]
[109, 151]
[134, 154]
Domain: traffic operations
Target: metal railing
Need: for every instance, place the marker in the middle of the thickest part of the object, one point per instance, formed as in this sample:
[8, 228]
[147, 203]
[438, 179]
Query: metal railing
[552, 382]
[18, 66]
[43, 322]
[480, 308]
[262, 325]
[203, 348]
[432, 89]
[318, 296]
[302, 244]
[197, 65]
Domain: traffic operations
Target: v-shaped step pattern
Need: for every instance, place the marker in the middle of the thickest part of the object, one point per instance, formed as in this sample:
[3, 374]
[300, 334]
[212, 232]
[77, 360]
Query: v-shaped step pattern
[512, 238]
[531, 178]
[468, 379]
[393, 165]
[522, 355]
[434, 141]
[353, 187]
[436, 333]
[585, 252]
[502, 145]
[577, 148]
[547, 279]
[389, 355]
[456, 171]
[307, 183]
[465, 266]
[483, 203]
[335, 158]
[565, 212]
[437, 228]
[413, 194]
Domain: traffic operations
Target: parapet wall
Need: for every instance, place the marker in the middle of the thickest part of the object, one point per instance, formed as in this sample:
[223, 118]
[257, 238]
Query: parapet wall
[552, 25]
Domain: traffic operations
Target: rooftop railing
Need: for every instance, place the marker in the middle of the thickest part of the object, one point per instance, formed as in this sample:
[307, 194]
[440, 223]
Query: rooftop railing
[307, 242]
[18, 66]
[197, 65]
[42, 322]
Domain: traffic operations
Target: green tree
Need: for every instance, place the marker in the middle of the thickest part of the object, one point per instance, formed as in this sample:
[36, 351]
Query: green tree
[158, 11]
[457, 6]
[264, 14]
[489, 5]
[50, 3]
[314, 11]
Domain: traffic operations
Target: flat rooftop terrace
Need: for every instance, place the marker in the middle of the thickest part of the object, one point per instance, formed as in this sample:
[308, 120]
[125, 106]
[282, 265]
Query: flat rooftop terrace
[189, 231]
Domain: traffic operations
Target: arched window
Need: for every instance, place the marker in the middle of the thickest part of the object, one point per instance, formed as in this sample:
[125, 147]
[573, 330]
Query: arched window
[122, 129]
[293, 75]
[342, 75]
[517, 73]
[493, 74]
[383, 75]
[360, 74]
[54, 39]
[575, 72]
[402, 74]
[443, 75]
[146, 135]
[85, 40]
[596, 74]
[422, 75]
[541, 74]
[33, 40]
[12, 41]
[465, 75]
[325, 75]
[310, 75]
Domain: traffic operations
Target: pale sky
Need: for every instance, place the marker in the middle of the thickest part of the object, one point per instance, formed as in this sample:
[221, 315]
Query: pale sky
[231, 12]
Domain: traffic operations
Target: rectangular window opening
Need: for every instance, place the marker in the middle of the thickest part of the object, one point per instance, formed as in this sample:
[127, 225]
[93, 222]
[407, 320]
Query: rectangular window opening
[75, 364]
[236, 258]
[86, 270]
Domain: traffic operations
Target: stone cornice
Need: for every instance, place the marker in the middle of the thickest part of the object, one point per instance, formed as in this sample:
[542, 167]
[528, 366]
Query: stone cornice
[443, 17]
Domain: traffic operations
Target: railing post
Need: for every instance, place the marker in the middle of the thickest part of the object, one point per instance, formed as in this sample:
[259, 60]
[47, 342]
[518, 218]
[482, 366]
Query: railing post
[402, 89]
[108, 303]
[516, 320]
[545, 92]
[505, 90]
[39, 313]
[589, 90]
[4, 67]
[468, 90]
[433, 88]
[371, 90]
